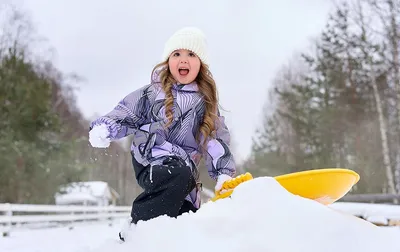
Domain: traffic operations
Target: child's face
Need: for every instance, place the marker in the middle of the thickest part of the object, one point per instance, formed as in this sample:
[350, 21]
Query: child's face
[184, 66]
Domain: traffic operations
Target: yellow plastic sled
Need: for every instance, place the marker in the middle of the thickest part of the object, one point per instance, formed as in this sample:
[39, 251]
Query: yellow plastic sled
[323, 185]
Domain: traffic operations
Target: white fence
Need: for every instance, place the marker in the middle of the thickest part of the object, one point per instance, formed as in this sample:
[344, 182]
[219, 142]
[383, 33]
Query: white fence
[13, 215]
[17, 215]
[20, 214]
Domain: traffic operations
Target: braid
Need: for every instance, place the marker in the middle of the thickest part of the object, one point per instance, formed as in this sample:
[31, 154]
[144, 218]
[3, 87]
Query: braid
[167, 80]
[169, 102]
[208, 89]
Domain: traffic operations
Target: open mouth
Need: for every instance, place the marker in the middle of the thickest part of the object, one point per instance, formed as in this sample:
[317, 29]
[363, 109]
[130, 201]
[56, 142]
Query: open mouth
[183, 71]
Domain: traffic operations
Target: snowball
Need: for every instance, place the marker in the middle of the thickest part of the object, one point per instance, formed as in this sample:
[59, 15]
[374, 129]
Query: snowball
[98, 136]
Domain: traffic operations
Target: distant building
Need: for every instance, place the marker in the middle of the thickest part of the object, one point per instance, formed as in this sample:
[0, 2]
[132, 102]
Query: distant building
[90, 193]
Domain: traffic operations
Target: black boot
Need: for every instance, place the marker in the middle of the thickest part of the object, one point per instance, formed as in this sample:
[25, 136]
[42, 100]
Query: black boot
[120, 237]
[124, 233]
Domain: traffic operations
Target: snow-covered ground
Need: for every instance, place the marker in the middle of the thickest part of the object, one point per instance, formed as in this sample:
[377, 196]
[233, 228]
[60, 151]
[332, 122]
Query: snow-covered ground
[260, 216]
[83, 237]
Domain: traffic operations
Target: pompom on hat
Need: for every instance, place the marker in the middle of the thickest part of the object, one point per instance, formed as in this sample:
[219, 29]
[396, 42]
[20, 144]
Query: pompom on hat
[189, 38]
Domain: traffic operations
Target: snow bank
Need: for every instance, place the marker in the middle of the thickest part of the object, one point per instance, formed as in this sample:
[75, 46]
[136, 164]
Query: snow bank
[260, 216]
[367, 210]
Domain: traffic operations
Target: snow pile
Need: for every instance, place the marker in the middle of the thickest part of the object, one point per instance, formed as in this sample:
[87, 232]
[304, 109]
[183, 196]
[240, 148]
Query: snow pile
[260, 216]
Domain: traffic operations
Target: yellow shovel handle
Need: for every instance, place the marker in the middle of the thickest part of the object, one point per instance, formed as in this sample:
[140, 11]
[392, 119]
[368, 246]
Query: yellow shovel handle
[229, 185]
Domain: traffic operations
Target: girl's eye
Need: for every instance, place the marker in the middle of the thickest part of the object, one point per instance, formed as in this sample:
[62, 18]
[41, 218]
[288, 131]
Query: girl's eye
[176, 54]
[192, 54]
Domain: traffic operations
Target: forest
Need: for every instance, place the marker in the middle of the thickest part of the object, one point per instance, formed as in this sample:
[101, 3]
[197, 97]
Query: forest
[43, 135]
[337, 104]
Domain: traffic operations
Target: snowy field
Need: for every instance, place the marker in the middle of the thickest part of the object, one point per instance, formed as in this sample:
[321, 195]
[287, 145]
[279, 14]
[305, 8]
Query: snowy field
[260, 216]
[83, 237]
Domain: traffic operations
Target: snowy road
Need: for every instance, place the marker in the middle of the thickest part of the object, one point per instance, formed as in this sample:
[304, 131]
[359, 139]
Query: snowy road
[83, 237]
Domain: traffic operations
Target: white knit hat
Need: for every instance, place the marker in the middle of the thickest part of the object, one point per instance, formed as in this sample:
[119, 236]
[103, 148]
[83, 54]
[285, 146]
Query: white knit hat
[189, 38]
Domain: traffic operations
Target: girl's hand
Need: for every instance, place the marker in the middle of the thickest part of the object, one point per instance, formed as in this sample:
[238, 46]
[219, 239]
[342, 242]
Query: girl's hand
[99, 136]
[220, 181]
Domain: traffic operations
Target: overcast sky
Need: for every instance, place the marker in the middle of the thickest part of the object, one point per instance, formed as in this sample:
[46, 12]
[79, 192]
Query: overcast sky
[115, 44]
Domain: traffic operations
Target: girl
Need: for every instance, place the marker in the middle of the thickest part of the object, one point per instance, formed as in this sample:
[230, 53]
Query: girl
[175, 121]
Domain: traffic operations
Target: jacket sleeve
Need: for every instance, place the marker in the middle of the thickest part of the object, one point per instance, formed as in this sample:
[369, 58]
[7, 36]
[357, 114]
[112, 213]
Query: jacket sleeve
[219, 159]
[128, 115]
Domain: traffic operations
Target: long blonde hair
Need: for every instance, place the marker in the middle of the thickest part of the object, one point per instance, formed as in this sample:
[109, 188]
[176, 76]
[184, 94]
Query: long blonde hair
[207, 88]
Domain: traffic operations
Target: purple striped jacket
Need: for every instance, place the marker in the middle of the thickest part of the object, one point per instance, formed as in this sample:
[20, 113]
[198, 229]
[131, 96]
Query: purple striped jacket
[142, 113]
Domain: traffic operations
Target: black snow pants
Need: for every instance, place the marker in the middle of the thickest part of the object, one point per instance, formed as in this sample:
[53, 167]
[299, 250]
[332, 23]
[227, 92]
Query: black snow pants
[165, 188]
